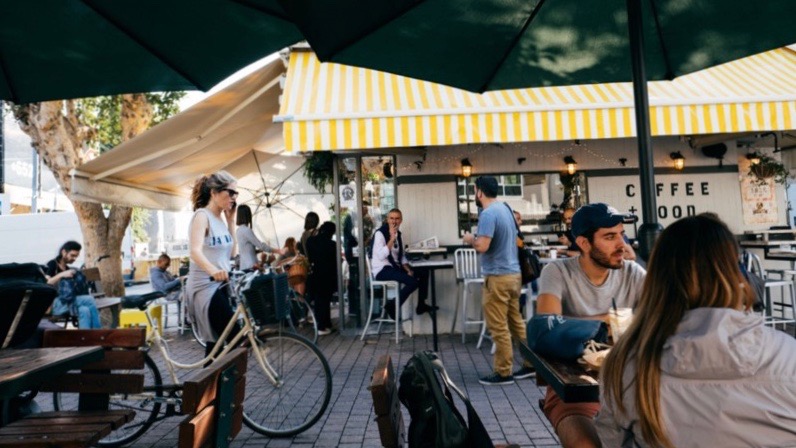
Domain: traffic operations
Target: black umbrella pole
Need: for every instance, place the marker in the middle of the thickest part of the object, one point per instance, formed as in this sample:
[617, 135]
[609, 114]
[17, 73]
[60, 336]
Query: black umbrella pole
[650, 229]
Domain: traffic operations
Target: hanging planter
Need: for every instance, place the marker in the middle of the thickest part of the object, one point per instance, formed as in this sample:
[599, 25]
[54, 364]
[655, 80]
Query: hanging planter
[318, 169]
[768, 168]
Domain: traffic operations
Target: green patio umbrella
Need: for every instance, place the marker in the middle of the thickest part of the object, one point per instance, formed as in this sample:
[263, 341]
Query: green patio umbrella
[481, 45]
[59, 49]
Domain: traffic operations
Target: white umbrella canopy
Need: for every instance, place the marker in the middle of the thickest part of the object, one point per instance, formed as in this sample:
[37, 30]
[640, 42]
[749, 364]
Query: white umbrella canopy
[157, 168]
[279, 195]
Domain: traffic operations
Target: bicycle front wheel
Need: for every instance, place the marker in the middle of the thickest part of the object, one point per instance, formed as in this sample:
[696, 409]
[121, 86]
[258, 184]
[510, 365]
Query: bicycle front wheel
[303, 391]
[145, 405]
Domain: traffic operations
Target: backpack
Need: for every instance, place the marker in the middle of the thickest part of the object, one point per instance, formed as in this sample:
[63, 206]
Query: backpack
[24, 298]
[435, 421]
[70, 288]
[530, 265]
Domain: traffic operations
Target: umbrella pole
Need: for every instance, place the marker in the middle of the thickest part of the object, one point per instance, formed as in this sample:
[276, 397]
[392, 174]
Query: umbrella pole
[650, 229]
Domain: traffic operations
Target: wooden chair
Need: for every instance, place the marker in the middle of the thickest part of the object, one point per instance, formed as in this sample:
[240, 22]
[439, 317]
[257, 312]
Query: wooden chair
[386, 404]
[93, 420]
[213, 400]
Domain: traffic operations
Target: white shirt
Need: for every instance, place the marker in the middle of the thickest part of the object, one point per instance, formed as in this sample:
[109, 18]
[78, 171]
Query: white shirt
[381, 252]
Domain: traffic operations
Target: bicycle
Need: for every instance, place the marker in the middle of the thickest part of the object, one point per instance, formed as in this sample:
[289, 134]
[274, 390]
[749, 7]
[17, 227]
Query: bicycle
[295, 368]
[301, 319]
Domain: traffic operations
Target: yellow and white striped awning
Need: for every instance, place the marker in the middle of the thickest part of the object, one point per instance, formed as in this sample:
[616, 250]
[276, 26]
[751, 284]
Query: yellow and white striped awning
[336, 107]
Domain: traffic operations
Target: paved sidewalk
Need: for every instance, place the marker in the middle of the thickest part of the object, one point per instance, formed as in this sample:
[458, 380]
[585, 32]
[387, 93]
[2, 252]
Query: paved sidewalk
[510, 413]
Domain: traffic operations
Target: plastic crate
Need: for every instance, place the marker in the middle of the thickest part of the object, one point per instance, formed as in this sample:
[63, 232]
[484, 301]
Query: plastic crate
[266, 298]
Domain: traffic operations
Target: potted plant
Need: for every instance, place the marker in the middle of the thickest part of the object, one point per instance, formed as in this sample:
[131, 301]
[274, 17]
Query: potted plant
[764, 167]
[318, 169]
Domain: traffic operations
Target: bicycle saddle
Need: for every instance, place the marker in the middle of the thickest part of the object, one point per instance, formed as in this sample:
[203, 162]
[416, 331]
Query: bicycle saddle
[140, 301]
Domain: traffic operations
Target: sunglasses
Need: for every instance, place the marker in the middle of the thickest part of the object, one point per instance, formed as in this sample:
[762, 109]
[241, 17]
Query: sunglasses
[232, 193]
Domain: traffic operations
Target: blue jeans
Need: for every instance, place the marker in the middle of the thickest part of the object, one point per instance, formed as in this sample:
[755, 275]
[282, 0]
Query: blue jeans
[83, 307]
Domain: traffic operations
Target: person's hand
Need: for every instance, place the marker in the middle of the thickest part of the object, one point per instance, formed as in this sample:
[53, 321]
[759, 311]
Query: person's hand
[563, 240]
[220, 275]
[410, 272]
[468, 238]
[230, 213]
[69, 273]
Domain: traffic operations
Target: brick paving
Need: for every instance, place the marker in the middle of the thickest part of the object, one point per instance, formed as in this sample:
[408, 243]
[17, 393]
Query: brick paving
[509, 413]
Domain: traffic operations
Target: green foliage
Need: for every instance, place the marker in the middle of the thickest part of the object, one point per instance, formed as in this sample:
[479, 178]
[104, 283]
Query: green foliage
[767, 168]
[318, 169]
[139, 222]
[103, 114]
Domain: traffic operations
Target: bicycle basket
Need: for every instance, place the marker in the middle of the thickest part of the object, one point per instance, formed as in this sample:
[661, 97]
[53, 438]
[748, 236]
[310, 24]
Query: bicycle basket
[266, 297]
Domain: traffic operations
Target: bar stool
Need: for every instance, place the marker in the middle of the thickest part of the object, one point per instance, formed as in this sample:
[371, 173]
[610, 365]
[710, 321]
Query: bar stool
[468, 273]
[787, 290]
[389, 289]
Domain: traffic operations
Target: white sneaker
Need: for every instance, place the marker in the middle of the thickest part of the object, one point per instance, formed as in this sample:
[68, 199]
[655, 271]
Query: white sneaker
[325, 332]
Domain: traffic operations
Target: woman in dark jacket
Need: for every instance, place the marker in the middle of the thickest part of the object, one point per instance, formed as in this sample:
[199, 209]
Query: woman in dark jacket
[322, 282]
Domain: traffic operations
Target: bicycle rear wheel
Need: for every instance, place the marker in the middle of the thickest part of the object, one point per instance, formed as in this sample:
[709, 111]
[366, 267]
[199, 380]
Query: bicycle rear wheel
[302, 319]
[145, 405]
[303, 392]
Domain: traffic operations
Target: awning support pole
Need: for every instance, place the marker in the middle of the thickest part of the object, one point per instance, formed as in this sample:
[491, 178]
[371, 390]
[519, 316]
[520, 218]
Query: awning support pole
[650, 229]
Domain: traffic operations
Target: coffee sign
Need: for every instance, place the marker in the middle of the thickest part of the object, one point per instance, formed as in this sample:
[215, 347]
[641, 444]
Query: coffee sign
[677, 195]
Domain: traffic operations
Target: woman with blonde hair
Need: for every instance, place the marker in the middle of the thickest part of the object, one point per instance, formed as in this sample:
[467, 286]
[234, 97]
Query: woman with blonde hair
[696, 368]
[212, 245]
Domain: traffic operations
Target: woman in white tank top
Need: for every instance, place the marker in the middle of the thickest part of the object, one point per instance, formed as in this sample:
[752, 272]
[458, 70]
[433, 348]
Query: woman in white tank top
[212, 245]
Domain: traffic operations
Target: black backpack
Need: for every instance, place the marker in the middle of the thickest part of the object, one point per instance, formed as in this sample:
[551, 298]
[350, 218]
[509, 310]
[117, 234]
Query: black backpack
[435, 421]
[24, 298]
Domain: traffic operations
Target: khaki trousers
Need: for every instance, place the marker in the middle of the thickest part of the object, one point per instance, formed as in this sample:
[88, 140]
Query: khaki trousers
[501, 303]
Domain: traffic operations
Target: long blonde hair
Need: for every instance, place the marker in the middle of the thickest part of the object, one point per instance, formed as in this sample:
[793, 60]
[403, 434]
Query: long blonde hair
[694, 265]
[202, 188]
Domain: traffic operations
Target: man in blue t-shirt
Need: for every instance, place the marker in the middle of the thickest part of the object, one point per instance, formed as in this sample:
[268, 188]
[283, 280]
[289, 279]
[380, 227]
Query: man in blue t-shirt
[496, 242]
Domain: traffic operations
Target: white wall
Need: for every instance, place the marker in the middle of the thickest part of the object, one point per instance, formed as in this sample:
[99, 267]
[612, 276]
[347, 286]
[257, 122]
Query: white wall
[37, 237]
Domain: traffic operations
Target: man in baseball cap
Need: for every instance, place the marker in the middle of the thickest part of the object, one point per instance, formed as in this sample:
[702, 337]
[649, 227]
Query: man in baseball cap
[588, 286]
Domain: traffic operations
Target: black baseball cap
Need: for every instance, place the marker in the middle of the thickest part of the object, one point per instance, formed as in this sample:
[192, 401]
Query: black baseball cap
[598, 216]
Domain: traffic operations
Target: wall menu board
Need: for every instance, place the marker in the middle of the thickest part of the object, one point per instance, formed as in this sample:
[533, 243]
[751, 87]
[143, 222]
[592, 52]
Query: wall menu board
[678, 195]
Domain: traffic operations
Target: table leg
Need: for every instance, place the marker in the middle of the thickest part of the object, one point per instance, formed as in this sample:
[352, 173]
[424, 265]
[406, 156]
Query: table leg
[433, 281]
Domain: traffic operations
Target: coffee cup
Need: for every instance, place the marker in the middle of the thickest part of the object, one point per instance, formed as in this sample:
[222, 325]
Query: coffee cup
[553, 254]
[619, 319]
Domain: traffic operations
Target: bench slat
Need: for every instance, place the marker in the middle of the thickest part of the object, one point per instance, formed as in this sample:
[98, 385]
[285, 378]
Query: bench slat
[96, 383]
[118, 360]
[72, 440]
[116, 418]
[199, 430]
[126, 338]
[201, 388]
[52, 429]
[382, 385]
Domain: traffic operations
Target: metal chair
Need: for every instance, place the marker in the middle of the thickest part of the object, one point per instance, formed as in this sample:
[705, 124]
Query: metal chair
[389, 288]
[468, 272]
[787, 291]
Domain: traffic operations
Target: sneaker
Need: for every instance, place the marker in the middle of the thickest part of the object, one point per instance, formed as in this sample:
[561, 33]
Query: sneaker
[424, 308]
[525, 372]
[494, 379]
[325, 331]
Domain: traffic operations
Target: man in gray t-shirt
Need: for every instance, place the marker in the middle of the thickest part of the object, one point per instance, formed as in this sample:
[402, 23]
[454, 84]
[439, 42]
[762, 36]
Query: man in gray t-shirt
[585, 287]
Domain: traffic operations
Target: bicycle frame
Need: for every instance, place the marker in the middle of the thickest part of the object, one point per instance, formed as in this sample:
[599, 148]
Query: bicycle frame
[248, 331]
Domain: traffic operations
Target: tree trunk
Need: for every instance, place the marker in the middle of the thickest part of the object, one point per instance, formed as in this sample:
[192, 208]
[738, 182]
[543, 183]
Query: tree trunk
[59, 138]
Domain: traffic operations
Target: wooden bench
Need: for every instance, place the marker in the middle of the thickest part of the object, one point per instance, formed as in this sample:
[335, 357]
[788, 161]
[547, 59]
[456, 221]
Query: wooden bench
[386, 405]
[95, 382]
[213, 400]
[108, 307]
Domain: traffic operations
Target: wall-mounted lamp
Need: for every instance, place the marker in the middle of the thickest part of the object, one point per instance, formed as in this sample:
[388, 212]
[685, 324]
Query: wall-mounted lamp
[467, 168]
[389, 170]
[572, 165]
[622, 161]
[753, 158]
[520, 160]
[679, 160]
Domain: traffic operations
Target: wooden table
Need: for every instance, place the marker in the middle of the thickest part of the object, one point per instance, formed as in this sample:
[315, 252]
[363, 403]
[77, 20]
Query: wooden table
[432, 266]
[570, 380]
[26, 369]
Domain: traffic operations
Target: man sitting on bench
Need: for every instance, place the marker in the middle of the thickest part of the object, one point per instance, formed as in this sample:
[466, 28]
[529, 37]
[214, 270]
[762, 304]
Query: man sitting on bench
[73, 297]
[162, 280]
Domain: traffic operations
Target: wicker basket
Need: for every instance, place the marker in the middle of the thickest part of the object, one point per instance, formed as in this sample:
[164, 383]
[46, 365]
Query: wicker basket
[266, 297]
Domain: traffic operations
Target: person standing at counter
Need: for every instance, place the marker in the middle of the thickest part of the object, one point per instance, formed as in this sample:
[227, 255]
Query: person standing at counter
[248, 243]
[587, 287]
[496, 242]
